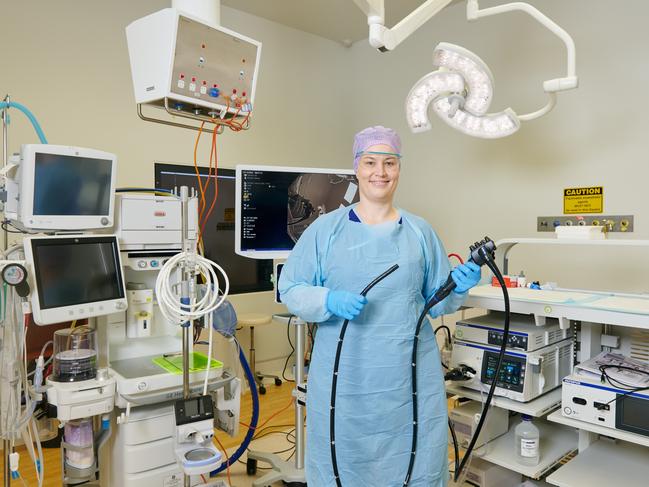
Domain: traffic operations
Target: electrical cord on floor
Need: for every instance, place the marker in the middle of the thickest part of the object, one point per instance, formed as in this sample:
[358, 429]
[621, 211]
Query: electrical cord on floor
[288, 435]
[334, 379]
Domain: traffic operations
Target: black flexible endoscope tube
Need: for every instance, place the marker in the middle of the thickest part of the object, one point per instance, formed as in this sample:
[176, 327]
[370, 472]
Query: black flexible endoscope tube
[494, 268]
[413, 362]
[456, 448]
[334, 379]
[484, 256]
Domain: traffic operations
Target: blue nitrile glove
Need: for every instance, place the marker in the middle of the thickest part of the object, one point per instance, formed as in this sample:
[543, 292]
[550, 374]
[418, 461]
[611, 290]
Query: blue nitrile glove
[345, 304]
[466, 276]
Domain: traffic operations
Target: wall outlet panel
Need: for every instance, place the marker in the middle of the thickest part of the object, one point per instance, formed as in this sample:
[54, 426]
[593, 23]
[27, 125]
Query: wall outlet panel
[615, 223]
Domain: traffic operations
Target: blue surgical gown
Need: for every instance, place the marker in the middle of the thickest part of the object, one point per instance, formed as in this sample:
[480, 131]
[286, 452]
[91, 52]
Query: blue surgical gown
[373, 405]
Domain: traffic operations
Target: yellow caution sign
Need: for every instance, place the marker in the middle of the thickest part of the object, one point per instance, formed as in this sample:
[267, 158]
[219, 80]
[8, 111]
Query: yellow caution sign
[583, 200]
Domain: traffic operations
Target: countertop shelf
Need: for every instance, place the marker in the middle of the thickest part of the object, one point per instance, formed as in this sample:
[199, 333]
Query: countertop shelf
[603, 464]
[537, 407]
[556, 442]
[559, 418]
[564, 311]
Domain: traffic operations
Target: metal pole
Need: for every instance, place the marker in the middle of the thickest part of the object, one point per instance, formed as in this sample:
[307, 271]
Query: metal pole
[184, 199]
[6, 445]
[299, 382]
[5, 157]
[186, 297]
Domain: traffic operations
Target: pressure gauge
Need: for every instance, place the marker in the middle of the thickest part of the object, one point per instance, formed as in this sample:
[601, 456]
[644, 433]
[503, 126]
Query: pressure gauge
[16, 275]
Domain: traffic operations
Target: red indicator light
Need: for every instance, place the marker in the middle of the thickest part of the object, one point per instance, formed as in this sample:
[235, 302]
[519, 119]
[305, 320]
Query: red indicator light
[182, 76]
[204, 82]
[193, 78]
[243, 93]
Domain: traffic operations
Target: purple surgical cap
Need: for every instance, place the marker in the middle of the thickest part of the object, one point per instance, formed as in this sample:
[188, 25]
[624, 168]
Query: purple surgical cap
[375, 136]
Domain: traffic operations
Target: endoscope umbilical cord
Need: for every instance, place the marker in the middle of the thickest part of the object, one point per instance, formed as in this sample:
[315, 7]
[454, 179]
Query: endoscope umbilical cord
[334, 380]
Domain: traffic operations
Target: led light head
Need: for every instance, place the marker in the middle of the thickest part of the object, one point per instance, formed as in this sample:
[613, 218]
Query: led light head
[460, 91]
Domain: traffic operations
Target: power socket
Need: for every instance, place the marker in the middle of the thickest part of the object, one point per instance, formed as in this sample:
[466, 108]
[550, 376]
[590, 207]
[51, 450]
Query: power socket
[613, 223]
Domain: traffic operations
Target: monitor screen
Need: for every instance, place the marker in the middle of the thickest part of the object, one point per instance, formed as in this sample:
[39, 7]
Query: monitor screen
[71, 185]
[76, 270]
[277, 204]
[245, 275]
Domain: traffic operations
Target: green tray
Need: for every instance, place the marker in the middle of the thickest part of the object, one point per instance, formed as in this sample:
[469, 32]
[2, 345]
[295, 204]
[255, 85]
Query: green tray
[174, 363]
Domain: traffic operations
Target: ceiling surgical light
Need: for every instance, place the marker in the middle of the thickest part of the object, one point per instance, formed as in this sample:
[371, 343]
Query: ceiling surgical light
[461, 89]
[460, 92]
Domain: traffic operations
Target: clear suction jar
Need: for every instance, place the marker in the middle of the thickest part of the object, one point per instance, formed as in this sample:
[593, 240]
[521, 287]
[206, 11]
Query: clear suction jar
[75, 354]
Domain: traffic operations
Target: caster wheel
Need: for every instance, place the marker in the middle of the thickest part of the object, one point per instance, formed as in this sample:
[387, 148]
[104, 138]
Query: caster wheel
[251, 466]
[278, 381]
[262, 390]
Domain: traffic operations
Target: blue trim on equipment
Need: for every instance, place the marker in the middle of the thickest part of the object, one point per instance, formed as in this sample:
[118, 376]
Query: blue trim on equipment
[493, 329]
[604, 388]
[491, 349]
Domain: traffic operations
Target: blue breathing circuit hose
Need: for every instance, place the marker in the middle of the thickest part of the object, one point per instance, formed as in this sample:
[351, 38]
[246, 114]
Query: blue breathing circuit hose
[29, 115]
[253, 422]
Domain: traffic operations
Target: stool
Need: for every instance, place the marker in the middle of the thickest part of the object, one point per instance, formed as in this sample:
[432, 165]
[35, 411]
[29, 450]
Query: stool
[251, 320]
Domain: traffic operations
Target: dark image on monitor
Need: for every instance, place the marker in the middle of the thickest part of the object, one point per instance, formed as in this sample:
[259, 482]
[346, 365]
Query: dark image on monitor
[76, 270]
[70, 185]
[245, 275]
[278, 205]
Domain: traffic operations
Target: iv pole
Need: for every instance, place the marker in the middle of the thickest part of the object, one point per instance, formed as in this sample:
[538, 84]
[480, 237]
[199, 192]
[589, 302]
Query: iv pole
[6, 444]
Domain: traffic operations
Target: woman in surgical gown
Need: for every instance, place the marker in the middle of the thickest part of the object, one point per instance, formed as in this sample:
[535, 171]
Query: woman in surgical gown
[334, 259]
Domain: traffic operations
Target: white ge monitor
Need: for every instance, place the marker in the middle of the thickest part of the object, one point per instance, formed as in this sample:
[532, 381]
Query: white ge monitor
[75, 277]
[274, 205]
[62, 188]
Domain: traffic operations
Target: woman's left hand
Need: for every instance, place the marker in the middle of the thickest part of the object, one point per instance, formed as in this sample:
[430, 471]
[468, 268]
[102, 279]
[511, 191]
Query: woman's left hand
[466, 276]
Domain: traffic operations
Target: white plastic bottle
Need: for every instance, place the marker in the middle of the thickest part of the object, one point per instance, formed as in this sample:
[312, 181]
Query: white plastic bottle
[528, 442]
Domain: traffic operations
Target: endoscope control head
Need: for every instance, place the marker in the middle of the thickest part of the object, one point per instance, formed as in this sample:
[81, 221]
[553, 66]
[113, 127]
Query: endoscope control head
[482, 250]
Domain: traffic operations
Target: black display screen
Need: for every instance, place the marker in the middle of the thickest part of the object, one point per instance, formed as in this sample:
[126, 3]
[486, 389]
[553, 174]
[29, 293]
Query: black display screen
[245, 275]
[632, 414]
[277, 206]
[76, 270]
[71, 185]
[512, 372]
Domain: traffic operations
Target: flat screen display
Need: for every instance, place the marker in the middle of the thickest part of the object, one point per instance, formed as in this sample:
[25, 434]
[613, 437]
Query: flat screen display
[278, 205]
[632, 414]
[511, 375]
[71, 185]
[245, 275]
[76, 270]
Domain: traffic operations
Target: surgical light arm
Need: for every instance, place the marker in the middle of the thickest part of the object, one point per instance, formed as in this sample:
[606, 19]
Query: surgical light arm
[552, 86]
[385, 39]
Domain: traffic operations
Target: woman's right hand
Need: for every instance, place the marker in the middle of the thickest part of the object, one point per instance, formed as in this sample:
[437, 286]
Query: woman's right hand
[345, 304]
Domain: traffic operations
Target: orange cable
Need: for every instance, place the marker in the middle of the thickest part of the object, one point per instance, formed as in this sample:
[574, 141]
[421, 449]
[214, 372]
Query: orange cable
[259, 426]
[227, 459]
[198, 175]
[216, 183]
[201, 217]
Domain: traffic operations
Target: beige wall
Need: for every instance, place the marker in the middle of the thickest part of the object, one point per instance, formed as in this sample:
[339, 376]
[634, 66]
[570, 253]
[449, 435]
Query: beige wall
[67, 61]
[596, 135]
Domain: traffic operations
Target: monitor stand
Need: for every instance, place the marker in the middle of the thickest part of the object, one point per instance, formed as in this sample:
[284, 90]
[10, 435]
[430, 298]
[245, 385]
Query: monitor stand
[292, 473]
